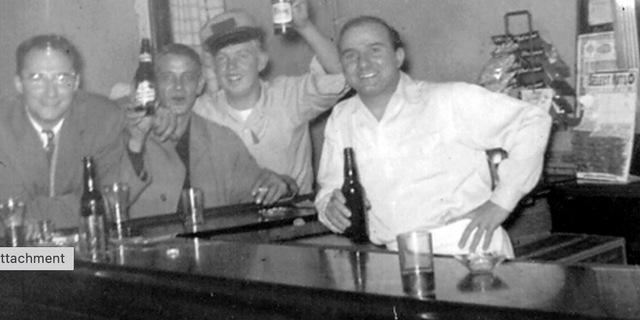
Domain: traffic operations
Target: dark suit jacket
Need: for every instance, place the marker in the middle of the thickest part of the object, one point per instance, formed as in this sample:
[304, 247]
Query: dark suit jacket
[220, 165]
[93, 127]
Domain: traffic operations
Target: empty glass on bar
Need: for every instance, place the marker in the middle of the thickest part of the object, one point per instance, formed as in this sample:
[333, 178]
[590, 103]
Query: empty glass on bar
[415, 253]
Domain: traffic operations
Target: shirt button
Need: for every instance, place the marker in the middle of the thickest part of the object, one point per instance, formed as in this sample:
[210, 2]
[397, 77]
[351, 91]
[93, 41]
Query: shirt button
[163, 197]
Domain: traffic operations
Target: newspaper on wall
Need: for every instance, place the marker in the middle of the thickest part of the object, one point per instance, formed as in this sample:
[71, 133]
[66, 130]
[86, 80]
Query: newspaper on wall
[602, 143]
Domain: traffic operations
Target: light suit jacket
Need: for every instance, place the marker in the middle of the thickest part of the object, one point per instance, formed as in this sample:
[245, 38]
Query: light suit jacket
[93, 127]
[220, 165]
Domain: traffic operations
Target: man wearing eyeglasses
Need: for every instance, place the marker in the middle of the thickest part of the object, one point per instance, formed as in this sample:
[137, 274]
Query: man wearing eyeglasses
[49, 125]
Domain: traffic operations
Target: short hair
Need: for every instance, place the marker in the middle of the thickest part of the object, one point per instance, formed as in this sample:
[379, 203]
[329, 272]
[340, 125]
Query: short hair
[48, 42]
[179, 50]
[394, 36]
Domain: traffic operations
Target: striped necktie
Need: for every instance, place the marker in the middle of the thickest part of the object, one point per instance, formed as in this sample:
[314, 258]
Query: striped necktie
[50, 146]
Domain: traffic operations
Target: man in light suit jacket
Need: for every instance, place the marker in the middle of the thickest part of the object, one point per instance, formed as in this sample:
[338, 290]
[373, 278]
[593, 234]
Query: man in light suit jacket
[49, 125]
[200, 154]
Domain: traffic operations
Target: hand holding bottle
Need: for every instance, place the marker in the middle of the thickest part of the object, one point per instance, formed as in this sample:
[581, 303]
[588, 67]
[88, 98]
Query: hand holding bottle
[347, 209]
[337, 216]
[300, 10]
[138, 126]
[164, 123]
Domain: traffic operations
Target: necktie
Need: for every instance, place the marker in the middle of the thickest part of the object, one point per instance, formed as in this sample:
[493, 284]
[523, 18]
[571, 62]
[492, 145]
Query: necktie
[50, 146]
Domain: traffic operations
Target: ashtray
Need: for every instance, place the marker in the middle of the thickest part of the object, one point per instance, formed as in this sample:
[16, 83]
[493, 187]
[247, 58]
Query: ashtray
[479, 263]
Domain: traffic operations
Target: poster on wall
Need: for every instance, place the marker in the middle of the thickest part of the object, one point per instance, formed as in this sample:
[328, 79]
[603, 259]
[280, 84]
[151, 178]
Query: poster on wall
[602, 143]
[596, 53]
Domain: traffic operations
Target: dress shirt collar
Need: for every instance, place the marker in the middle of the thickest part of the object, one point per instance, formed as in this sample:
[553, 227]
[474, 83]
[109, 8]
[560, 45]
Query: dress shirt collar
[394, 106]
[239, 115]
[39, 128]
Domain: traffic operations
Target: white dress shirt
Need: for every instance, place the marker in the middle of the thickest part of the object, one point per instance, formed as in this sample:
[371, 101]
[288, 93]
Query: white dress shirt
[424, 163]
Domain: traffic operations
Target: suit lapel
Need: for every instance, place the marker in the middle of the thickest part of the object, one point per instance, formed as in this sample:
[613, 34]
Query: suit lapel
[27, 154]
[69, 155]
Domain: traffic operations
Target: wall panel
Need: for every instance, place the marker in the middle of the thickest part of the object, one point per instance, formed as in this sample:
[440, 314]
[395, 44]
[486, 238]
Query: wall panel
[105, 31]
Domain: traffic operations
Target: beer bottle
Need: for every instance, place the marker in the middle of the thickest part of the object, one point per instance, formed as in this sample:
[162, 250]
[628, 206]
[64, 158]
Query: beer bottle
[144, 80]
[354, 194]
[282, 16]
[92, 230]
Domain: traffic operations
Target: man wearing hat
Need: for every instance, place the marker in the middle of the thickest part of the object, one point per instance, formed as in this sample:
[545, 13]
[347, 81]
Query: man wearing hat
[272, 118]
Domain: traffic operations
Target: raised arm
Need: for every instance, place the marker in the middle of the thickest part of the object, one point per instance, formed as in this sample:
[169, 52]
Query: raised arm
[325, 50]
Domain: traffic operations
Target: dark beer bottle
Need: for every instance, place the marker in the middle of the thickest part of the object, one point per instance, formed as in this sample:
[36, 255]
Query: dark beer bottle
[92, 230]
[282, 16]
[354, 194]
[144, 80]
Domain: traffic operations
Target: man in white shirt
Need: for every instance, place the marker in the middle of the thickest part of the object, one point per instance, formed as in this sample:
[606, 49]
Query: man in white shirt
[420, 149]
[272, 118]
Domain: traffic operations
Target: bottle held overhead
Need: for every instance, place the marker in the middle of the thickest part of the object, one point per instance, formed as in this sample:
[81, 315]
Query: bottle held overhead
[144, 80]
[354, 195]
[282, 12]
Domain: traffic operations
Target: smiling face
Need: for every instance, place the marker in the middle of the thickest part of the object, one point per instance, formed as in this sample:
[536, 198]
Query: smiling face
[179, 82]
[48, 82]
[238, 68]
[369, 61]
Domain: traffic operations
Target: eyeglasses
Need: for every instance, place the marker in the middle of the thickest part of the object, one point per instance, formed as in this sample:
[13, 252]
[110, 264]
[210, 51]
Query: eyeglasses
[64, 79]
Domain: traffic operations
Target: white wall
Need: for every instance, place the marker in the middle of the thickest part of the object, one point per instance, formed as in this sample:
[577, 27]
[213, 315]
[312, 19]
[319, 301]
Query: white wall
[105, 32]
[451, 40]
[447, 40]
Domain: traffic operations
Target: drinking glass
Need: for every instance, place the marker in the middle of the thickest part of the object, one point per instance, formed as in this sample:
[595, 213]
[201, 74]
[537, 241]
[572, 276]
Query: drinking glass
[117, 198]
[13, 216]
[192, 211]
[416, 263]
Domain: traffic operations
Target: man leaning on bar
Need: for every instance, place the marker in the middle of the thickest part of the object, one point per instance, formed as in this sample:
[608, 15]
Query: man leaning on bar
[420, 149]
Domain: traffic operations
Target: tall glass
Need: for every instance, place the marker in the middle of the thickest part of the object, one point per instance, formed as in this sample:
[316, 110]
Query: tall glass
[416, 264]
[192, 211]
[13, 216]
[117, 196]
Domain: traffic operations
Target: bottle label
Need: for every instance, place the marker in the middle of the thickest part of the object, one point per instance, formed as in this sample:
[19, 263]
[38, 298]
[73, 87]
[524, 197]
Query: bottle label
[145, 93]
[145, 57]
[282, 12]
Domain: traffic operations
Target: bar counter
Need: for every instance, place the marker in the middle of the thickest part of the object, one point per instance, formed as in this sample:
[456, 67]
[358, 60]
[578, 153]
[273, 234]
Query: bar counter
[249, 278]
[599, 209]
[198, 279]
